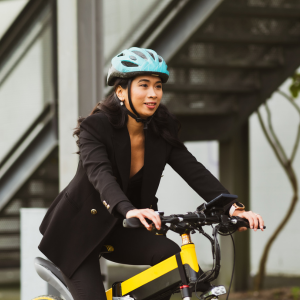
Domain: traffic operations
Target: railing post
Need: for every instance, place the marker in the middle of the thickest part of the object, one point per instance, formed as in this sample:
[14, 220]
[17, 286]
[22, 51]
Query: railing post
[234, 175]
[80, 73]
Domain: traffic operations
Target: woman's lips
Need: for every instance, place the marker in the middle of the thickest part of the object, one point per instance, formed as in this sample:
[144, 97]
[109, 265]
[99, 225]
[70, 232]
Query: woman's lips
[150, 105]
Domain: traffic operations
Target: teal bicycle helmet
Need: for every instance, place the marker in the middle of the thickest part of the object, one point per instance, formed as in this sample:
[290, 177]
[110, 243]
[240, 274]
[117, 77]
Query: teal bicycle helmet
[134, 62]
[137, 61]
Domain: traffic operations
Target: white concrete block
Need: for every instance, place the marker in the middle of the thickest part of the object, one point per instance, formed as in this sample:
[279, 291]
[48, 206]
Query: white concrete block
[31, 284]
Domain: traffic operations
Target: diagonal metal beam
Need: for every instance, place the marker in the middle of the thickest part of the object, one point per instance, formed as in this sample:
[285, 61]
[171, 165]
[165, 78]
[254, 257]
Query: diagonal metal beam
[24, 20]
[46, 111]
[181, 29]
[27, 162]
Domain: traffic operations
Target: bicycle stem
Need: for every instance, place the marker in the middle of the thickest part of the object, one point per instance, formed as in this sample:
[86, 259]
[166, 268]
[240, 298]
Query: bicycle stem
[186, 239]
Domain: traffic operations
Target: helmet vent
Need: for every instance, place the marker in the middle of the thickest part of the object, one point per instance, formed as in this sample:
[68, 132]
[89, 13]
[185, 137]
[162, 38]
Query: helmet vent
[151, 54]
[160, 59]
[132, 57]
[140, 54]
[128, 64]
[121, 54]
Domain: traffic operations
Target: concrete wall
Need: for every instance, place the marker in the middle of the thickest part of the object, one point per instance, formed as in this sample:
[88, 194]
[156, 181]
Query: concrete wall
[176, 196]
[271, 191]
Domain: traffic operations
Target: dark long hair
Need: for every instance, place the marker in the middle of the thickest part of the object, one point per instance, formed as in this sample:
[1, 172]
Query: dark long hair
[118, 117]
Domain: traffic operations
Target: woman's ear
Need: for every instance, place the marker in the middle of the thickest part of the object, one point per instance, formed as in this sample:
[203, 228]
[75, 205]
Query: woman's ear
[119, 93]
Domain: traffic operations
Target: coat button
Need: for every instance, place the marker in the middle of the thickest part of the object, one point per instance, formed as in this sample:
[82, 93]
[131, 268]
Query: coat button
[93, 211]
[107, 206]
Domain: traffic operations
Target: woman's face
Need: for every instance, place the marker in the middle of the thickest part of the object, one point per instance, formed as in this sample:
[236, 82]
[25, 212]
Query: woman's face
[146, 94]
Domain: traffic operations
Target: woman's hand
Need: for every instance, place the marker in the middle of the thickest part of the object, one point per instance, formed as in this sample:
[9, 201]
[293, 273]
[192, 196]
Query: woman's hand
[145, 213]
[253, 218]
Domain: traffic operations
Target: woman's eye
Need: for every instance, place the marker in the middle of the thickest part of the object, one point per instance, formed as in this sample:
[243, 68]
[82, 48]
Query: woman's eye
[159, 86]
[144, 85]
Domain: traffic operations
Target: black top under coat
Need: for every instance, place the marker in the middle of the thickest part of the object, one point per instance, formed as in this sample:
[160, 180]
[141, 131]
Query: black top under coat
[133, 193]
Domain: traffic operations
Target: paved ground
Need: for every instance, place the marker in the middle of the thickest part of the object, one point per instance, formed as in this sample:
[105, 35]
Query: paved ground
[288, 293]
[272, 294]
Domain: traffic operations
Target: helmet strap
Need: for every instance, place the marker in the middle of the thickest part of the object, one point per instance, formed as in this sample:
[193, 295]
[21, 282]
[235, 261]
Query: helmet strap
[129, 99]
[136, 116]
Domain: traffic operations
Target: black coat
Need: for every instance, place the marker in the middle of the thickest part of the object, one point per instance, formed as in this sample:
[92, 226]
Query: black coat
[70, 231]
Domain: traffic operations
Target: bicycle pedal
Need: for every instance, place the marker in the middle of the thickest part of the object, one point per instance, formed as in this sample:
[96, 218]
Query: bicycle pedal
[213, 293]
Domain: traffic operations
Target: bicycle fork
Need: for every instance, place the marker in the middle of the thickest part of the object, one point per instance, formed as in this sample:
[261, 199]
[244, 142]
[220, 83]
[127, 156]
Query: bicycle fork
[189, 272]
[187, 265]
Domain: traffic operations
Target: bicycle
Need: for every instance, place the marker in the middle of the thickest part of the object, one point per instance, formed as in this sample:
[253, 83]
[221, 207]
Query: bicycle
[179, 272]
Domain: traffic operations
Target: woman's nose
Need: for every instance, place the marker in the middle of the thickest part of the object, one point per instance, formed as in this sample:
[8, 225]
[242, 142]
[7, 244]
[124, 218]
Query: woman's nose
[152, 93]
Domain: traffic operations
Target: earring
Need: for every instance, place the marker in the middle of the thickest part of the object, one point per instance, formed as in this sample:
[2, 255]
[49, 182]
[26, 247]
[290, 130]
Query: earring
[121, 103]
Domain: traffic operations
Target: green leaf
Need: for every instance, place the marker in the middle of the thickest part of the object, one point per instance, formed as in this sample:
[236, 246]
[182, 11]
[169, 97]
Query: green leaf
[294, 91]
[295, 86]
[295, 292]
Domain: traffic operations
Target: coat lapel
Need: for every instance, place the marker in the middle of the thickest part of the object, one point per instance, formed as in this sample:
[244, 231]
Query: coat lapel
[122, 148]
[154, 162]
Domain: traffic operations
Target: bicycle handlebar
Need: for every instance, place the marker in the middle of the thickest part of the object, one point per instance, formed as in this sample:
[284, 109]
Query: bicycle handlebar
[194, 217]
[136, 223]
[132, 223]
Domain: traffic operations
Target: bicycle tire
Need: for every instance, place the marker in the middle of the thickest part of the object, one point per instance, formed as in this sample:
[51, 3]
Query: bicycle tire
[47, 297]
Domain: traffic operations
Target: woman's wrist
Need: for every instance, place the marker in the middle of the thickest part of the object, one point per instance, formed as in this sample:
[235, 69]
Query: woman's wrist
[237, 212]
[129, 212]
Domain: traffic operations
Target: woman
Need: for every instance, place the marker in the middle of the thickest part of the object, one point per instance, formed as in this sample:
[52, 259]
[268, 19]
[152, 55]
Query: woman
[124, 146]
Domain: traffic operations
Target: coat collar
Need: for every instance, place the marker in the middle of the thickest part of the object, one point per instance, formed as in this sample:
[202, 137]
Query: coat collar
[154, 162]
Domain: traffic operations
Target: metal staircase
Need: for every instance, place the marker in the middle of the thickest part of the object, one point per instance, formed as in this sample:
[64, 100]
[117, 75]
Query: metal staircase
[226, 57]
[230, 63]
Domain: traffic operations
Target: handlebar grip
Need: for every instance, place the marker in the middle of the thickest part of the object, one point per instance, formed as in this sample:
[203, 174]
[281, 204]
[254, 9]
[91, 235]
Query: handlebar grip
[241, 222]
[132, 223]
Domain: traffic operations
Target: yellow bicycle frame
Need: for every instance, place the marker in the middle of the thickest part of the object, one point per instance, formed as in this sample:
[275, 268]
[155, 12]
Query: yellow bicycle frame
[161, 277]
